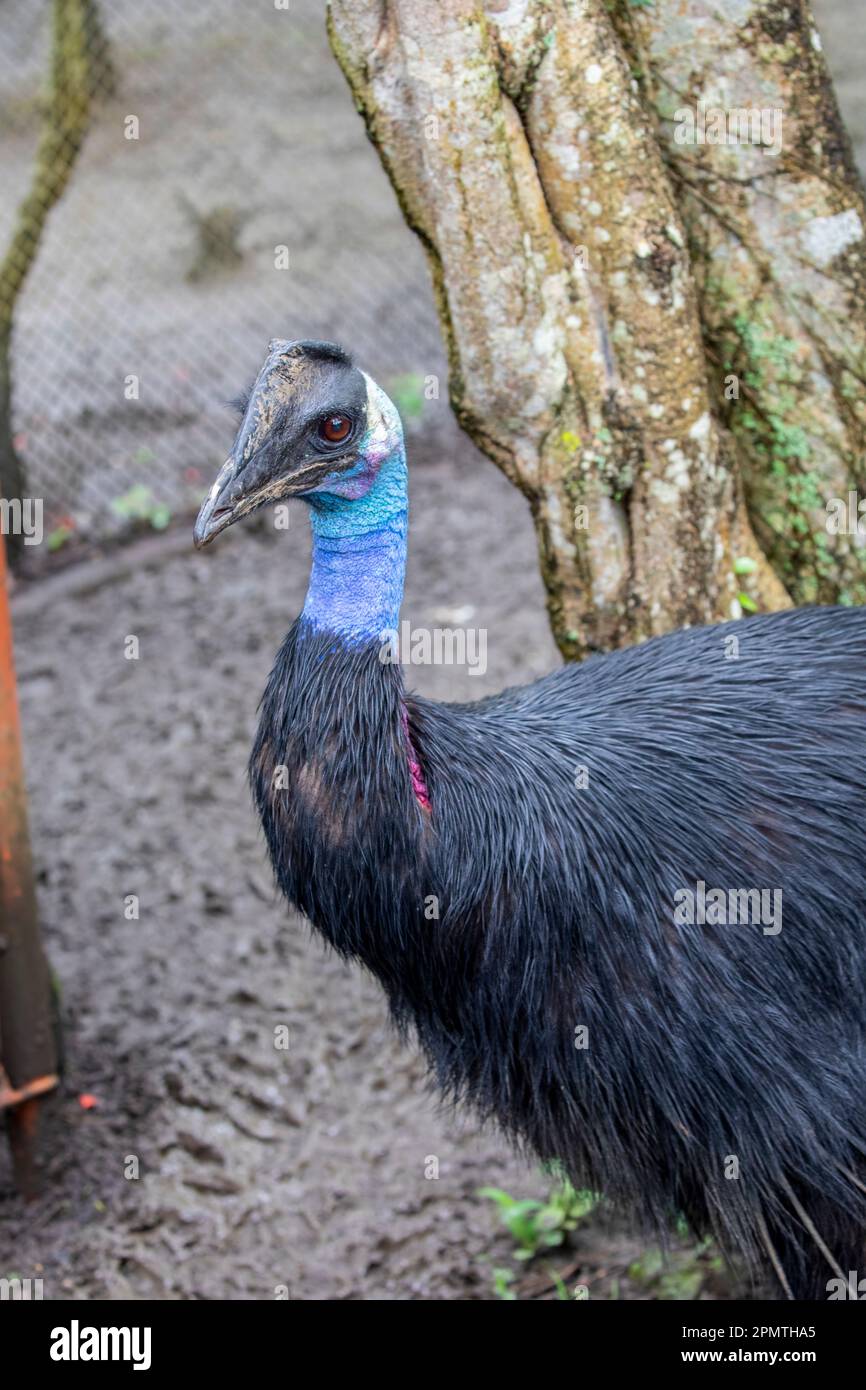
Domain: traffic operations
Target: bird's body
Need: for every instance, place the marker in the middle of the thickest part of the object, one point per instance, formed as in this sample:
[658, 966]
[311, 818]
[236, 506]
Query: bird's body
[622, 908]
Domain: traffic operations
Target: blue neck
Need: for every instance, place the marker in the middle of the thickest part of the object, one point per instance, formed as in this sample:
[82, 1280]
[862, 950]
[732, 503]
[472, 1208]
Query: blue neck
[359, 557]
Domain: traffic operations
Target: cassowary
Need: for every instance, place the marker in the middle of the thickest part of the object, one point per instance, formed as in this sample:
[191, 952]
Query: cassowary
[653, 972]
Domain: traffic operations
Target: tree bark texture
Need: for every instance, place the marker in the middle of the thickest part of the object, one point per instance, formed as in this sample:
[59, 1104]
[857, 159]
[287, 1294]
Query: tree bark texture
[599, 283]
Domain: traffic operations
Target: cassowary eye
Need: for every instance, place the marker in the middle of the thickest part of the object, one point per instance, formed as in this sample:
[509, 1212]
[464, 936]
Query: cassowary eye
[335, 429]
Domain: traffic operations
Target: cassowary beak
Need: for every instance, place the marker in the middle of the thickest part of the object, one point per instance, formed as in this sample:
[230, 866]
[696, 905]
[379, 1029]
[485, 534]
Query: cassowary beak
[218, 510]
[247, 479]
[240, 489]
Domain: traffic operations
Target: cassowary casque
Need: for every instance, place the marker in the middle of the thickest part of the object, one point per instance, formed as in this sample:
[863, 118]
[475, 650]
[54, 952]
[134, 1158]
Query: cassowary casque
[652, 973]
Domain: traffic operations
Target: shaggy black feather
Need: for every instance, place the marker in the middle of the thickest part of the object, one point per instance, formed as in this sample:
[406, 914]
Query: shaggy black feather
[314, 350]
[556, 908]
[240, 402]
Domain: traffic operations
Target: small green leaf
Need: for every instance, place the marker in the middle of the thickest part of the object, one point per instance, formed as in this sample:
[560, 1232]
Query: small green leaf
[58, 537]
[407, 392]
[495, 1194]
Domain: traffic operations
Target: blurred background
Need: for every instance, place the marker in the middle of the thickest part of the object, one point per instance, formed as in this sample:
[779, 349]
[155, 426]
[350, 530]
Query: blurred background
[158, 260]
[154, 281]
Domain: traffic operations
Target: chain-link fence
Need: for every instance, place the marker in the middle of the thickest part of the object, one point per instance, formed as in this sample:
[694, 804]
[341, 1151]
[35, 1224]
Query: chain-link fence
[182, 180]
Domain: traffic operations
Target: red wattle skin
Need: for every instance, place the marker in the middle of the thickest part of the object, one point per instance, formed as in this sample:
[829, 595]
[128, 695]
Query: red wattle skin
[419, 786]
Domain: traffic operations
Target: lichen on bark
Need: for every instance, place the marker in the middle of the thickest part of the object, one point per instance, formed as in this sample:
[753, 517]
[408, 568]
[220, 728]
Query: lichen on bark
[583, 290]
[778, 250]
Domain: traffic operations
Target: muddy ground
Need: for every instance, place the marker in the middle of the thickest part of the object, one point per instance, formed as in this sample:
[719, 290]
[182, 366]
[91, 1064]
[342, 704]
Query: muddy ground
[257, 1168]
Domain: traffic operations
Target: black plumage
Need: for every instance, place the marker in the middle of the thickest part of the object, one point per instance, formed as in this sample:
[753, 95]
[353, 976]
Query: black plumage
[556, 908]
[513, 871]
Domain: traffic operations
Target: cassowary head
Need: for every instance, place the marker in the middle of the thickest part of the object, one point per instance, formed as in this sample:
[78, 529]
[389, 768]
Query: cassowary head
[313, 426]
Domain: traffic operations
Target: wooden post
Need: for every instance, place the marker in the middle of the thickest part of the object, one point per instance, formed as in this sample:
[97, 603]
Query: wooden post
[28, 1050]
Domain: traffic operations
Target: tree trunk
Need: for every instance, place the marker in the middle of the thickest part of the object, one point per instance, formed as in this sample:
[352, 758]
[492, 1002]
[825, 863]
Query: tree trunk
[778, 257]
[597, 293]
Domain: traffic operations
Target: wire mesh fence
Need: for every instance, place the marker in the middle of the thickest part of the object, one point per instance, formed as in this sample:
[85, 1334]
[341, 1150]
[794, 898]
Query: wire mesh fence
[182, 182]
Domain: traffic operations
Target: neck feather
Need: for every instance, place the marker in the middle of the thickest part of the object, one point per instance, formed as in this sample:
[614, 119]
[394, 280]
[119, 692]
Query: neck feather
[359, 558]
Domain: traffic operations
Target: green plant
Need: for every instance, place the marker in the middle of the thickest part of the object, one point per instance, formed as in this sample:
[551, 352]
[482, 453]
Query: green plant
[744, 564]
[138, 504]
[59, 536]
[407, 393]
[502, 1279]
[537, 1225]
[678, 1276]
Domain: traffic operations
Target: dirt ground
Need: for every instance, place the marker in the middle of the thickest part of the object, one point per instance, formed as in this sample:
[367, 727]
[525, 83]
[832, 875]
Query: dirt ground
[257, 1168]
